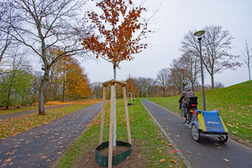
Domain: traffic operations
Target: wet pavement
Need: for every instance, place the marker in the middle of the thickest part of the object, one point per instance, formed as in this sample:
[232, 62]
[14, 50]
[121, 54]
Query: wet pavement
[209, 152]
[43, 145]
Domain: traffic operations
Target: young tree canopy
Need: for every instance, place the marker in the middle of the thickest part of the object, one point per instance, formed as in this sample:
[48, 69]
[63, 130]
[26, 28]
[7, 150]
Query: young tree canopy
[120, 31]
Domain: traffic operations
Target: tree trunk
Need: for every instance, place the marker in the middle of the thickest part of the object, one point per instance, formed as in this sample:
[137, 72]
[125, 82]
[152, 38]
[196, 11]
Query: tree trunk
[212, 80]
[163, 91]
[8, 99]
[9, 91]
[114, 109]
[64, 87]
[249, 69]
[192, 87]
[42, 91]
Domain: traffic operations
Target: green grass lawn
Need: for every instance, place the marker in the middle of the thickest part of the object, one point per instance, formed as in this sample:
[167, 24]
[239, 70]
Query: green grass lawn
[234, 104]
[146, 136]
[17, 110]
[13, 126]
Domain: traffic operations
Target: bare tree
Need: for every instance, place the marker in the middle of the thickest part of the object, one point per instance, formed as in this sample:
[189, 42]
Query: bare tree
[190, 63]
[97, 90]
[162, 79]
[246, 58]
[6, 16]
[151, 87]
[46, 24]
[215, 46]
[178, 76]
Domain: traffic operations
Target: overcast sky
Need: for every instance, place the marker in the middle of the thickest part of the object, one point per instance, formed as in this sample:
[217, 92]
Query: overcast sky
[173, 20]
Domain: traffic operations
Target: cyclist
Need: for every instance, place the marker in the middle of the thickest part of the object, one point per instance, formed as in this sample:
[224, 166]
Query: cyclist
[184, 100]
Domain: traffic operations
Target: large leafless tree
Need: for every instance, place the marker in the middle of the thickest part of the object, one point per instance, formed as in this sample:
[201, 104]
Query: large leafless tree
[46, 24]
[216, 46]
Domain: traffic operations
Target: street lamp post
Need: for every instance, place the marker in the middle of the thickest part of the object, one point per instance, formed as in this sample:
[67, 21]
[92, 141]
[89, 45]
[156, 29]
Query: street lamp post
[199, 34]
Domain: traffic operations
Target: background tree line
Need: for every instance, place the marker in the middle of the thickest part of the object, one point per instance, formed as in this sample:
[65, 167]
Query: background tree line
[20, 84]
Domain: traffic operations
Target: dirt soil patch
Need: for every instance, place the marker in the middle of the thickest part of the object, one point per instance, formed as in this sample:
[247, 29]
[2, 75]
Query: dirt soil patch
[135, 159]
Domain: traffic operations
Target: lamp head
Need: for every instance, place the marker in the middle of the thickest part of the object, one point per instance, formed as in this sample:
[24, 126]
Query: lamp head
[199, 33]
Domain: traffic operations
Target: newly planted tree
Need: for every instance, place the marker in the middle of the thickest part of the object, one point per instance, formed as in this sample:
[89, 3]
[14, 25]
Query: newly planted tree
[120, 31]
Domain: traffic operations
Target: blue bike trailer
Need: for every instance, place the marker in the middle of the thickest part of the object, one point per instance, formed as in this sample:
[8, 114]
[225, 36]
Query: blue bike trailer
[209, 123]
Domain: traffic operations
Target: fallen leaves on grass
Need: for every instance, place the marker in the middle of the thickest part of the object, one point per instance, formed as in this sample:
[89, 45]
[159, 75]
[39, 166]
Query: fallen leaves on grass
[8, 160]
[189, 152]
[173, 151]
[229, 125]
[11, 163]
[13, 126]
[226, 160]
[162, 160]
[173, 161]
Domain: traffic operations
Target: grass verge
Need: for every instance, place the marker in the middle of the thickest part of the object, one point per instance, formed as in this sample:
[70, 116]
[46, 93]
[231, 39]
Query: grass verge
[12, 126]
[155, 149]
[233, 103]
[17, 109]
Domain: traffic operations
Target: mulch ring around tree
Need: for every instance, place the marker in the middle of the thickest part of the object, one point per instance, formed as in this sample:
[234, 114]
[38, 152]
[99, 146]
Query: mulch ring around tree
[135, 159]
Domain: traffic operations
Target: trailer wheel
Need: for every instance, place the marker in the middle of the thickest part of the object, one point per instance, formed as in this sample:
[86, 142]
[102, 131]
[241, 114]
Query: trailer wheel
[223, 138]
[195, 133]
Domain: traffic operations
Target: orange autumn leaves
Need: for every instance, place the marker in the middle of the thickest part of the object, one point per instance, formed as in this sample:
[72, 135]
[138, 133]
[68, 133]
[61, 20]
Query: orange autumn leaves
[120, 31]
[72, 78]
[130, 86]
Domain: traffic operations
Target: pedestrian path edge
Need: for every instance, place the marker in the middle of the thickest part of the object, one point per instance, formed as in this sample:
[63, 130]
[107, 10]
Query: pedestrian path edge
[186, 162]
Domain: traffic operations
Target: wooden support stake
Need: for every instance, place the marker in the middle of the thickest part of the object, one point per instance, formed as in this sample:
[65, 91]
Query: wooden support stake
[111, 123]
[102, 114]
[127, 114]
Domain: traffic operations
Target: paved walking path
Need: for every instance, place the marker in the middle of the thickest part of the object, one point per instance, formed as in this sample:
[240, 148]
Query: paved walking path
[43, 145]
[18, 114]
[209, 153]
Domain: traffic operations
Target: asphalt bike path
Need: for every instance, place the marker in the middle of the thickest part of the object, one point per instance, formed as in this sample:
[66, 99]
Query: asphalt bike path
[43, 145]
[208, 153]
[18, 114]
